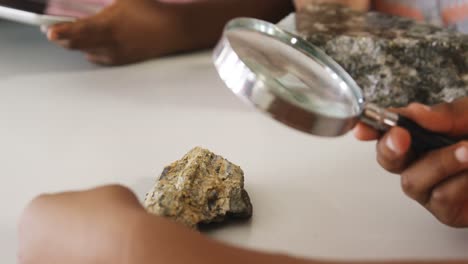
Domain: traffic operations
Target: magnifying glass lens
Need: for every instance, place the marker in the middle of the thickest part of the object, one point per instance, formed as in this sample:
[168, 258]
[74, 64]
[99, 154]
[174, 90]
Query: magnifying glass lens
[295, 76]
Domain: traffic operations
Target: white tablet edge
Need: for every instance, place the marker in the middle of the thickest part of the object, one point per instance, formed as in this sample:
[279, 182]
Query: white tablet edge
[32, 18]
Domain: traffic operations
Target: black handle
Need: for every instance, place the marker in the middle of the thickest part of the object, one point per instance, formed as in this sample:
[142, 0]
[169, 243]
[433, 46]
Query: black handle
[423, 140]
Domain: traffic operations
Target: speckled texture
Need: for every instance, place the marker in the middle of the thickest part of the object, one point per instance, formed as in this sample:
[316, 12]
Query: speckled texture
[395, 60]
[200, 188]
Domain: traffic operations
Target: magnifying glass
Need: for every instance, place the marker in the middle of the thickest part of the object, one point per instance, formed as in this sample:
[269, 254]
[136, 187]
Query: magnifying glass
[299, 85]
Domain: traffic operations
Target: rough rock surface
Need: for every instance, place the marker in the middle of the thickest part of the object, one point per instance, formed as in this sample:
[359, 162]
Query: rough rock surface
[395, 60]
[200, 188]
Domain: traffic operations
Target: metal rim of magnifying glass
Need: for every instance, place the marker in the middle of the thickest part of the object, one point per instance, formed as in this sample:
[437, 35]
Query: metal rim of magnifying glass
[254, 89]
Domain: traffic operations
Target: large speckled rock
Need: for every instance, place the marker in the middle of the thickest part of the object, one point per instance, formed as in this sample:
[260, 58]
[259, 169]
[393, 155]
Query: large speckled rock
[395, 60]
[200, 188]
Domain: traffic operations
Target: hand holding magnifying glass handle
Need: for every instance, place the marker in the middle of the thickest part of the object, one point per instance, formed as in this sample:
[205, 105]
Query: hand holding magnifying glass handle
[437, 179]
[422, 139]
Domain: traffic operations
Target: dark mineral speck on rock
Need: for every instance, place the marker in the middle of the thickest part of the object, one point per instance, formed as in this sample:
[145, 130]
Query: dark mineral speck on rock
[394, 60]
[201, 188]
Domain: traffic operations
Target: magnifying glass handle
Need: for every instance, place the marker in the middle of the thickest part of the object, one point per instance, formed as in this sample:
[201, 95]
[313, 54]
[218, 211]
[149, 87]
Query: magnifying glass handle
[422, 140]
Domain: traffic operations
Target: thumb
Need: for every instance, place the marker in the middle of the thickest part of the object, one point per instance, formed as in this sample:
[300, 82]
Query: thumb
[393, 150]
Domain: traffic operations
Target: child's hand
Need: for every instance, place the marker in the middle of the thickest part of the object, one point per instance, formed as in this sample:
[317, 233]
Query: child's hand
[439, 179]
[94, 226]
[108, 225]
[125, 32]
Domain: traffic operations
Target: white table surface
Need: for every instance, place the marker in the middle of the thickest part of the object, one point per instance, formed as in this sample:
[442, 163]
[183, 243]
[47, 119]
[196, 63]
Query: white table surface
[66, 124]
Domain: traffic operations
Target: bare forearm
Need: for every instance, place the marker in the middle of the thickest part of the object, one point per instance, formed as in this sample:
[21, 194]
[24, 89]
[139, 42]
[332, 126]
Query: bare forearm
[200, 24]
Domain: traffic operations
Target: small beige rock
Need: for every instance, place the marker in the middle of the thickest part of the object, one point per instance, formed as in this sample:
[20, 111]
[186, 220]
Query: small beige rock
[200, 188]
